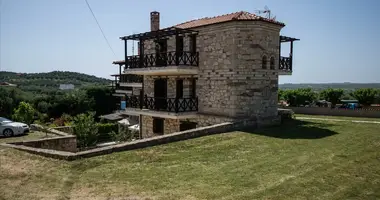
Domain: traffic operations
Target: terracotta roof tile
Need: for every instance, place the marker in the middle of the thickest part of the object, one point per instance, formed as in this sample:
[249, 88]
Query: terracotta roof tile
[237, 16]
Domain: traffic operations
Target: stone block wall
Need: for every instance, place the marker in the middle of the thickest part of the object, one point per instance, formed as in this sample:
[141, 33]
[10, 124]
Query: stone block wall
[66, 143]
[170, 126]
[231, 82]
[171, 85]
[136, 90]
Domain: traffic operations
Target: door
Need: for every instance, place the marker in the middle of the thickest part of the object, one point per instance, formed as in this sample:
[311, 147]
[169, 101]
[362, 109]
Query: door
[160, 94]
[161, 52]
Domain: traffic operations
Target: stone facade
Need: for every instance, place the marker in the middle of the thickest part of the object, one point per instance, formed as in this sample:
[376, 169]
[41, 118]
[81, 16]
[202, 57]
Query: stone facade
[231, 82]
[170, 126]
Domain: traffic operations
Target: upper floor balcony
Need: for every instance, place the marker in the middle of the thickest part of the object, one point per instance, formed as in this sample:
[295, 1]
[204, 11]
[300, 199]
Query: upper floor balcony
[127, 80]
[162, 53]
[286, 63]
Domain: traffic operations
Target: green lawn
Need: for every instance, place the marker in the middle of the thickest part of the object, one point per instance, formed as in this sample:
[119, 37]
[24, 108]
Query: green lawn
[302, 160]
[30, 136]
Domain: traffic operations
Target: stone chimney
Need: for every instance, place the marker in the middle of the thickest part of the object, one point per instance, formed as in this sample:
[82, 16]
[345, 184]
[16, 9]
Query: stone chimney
[154, 21]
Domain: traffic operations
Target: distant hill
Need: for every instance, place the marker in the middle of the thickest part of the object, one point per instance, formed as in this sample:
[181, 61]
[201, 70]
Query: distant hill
[46, 82]
[322, 86]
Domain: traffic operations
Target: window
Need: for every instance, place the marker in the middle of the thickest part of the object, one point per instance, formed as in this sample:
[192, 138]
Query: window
[272, 63]
[185, 125]
[193, 88]
[264, 62]
[179, 88]
[193, 43]
[158, 126]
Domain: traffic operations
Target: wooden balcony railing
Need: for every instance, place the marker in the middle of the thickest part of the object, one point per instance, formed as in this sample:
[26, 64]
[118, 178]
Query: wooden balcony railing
[163, 104]
[131, 78]
[285, 63]
[171, 58]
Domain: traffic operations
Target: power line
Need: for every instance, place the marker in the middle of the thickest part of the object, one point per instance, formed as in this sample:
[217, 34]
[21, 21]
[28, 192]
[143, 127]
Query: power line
[101, 30]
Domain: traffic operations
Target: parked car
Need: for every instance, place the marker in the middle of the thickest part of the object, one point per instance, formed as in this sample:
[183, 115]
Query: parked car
[10, 128]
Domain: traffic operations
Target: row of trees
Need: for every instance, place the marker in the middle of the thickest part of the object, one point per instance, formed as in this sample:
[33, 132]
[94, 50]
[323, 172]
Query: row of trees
[45, 107]
[297, 97]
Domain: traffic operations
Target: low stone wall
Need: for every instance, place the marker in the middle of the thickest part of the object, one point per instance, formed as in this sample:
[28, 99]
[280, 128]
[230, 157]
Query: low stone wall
[65, 129]
[336, 112]
[164, 139]
[66, 143]
[36, 127]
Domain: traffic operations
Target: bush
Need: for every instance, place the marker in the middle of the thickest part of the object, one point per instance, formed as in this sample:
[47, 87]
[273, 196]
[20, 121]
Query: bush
[106, 131]
[85, 129]
[24, 113]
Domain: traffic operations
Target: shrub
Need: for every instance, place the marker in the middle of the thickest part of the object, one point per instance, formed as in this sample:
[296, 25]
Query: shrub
[24, 113]
[85, 129]
[106, 131]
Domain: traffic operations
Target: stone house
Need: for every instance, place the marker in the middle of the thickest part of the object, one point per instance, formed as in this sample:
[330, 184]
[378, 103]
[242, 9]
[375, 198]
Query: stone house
[204, 72]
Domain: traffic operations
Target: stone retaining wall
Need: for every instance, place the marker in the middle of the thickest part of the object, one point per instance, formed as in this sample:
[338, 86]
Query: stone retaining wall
[336, 112]
[65, 129]
[66, 143]
[37, 127]
[163, 139]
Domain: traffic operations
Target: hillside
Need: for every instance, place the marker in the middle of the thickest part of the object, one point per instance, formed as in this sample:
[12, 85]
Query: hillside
[45, 82]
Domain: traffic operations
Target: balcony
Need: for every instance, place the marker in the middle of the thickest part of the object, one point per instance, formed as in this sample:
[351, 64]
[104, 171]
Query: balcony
[168, 63]
[175, 108]
[130, 80]
[285, 65]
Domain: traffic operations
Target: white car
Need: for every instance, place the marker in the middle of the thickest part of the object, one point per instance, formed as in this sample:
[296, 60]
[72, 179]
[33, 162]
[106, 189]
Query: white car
[9, 128]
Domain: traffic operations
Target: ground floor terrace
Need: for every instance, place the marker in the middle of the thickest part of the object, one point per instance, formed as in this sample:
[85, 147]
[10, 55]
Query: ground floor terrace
[305, 159]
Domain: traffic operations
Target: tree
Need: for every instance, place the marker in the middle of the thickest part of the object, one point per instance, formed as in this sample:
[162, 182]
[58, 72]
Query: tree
[85, 129]
[365, 96]
[24, 113]
[104, 102]
[299, 97]
[332, 95]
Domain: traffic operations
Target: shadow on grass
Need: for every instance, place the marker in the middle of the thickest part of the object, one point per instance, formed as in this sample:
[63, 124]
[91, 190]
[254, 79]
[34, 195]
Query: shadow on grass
[295, 129]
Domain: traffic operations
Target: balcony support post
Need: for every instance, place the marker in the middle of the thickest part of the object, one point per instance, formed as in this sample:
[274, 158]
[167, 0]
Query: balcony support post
[279, 54]
[141, 53]
[291, 56]
[126, 53]
[177, 49]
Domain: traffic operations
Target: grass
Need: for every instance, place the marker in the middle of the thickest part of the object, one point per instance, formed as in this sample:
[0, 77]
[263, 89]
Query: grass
[30, 136]
[338, 117]
[302, 160]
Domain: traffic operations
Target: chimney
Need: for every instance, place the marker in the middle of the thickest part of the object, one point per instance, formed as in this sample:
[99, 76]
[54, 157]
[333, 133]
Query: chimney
[154, 21]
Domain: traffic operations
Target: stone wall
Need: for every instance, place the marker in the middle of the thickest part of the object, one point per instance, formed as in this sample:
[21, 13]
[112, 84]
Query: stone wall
[171, 85]
[231, 81]
[336, 112]
[65, 143]
[170, 126]
[136, 90]
[163, 139]
[65, 129]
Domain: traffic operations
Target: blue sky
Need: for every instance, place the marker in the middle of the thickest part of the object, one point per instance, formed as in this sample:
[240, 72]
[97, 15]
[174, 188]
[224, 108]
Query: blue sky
[339, 39]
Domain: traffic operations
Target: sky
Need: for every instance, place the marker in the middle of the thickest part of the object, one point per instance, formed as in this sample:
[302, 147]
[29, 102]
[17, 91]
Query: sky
[339, 38]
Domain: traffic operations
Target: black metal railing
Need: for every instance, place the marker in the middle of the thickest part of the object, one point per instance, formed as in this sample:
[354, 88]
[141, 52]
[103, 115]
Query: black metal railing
[171, 58]
[131, 78]
[163, 104]
[285, 63]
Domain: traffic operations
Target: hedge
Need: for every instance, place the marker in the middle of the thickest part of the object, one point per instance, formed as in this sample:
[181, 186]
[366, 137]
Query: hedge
[105, 130]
